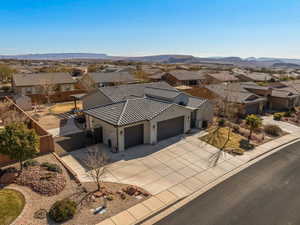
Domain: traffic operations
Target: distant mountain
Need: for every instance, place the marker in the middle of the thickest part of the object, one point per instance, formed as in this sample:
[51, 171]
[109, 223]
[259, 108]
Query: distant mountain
[57, 56]
[247, 62]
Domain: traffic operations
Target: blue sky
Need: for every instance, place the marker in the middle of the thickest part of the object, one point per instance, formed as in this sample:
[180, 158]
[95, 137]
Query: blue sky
[269, 28]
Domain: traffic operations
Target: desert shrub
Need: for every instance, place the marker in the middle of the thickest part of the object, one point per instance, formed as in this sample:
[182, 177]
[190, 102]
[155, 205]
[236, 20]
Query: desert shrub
[236, 128]
[287, 114]
[277, 116]
[52, 167]
[30, 162]
[5, 88]
[109, 197]
[221, 123]
[273, 130]
[245, 144]
[63, 210]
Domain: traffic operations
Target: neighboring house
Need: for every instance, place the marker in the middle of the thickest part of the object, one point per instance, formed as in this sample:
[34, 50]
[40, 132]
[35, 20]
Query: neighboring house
[156, 77]
[102, 79]
[255, 76]
[184, 77]
[285, 95]
[235, 93]
[41, 84]
[130, 115]
[221, 77]
[256, 98]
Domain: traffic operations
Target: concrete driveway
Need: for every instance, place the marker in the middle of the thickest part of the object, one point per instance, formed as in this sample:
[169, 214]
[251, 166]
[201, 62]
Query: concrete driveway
[183, 164]
[287, 127]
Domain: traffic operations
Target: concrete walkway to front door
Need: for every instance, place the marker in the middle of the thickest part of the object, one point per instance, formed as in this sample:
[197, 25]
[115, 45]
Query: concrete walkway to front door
[180, 163]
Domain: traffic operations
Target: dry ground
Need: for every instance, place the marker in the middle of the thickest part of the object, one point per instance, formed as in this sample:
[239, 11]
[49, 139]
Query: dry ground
[85, 215]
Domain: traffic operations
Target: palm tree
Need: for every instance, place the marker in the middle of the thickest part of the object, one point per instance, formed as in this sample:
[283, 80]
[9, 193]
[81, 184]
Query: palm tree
[253, 122]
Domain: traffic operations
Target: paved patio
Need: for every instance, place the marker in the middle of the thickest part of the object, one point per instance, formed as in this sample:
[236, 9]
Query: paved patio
[181, 164]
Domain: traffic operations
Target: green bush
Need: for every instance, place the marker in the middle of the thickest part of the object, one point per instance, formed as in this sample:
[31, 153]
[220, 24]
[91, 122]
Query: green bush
[236, 128]
[5, 88]
[273, 130]
[52, 167]
[63, 210]
[277, 116]
[287, 114]
[221, 123]
[245, 144]
[31, 162]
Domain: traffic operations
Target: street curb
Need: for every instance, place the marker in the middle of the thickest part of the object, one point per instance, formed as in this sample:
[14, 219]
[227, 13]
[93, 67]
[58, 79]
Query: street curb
[157, 216]
[287, 143]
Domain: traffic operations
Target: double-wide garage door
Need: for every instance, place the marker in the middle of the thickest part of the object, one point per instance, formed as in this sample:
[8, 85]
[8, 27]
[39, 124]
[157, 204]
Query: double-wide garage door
[170, 128]
[134, 136]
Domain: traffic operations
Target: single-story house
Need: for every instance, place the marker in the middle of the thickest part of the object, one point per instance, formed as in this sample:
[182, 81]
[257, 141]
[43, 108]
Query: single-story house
[284, 96]
[255, 76]
[235, 93]
[39, 85]
[103, 79]
[184, 77]
[134, 114]
[221, 77]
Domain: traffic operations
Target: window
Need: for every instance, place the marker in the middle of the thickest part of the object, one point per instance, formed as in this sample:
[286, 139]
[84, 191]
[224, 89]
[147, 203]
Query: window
[28, 90]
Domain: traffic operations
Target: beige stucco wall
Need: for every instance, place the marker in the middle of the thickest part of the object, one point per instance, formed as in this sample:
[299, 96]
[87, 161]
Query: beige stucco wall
[205, 112]
[95, 98]
[109, 131]
[116, 135]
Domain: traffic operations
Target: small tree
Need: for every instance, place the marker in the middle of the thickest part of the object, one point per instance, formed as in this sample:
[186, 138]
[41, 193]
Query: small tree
[18, 142]
[96, 161]
[253, 122]
[6, 73]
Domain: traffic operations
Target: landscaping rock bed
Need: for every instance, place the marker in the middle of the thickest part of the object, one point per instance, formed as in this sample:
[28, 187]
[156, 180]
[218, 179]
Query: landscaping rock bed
[42, 181]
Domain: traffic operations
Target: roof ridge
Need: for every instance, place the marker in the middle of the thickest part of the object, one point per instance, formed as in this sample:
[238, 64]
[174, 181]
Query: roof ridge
[98, 106]
[164, 89]
[123, 111]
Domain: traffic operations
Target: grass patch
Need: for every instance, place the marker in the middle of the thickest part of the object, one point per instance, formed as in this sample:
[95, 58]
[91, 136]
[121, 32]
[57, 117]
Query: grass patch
[220, 138]
[11, 205]
[64, 107]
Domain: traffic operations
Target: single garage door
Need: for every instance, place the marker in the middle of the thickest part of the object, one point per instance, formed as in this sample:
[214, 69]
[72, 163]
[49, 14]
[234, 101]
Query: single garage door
[170, 128]
[134, 136]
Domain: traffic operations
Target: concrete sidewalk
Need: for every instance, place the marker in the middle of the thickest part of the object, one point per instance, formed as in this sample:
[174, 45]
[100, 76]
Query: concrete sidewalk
[200, 181]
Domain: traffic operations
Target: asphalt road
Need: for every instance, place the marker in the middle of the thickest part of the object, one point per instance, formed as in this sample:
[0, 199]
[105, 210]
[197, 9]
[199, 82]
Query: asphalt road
[267, 193]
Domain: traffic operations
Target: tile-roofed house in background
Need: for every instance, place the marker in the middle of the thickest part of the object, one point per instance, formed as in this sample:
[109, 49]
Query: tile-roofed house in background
[185, 77]
[39, 86]
[145, 113]
[255, 76]
[102, 79]
[220, 77]
[285, 95]
[235, 93]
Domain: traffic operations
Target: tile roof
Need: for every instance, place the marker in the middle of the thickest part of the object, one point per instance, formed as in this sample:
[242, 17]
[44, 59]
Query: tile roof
[255, 76]
[123, 92]
[223, 76]
[234, 92]
[123, 76]
[35, 79]
[188, 75]
[129, 111]
[159, 92]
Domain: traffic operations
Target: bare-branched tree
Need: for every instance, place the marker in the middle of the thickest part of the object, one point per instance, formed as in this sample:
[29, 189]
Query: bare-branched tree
[96, 161]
